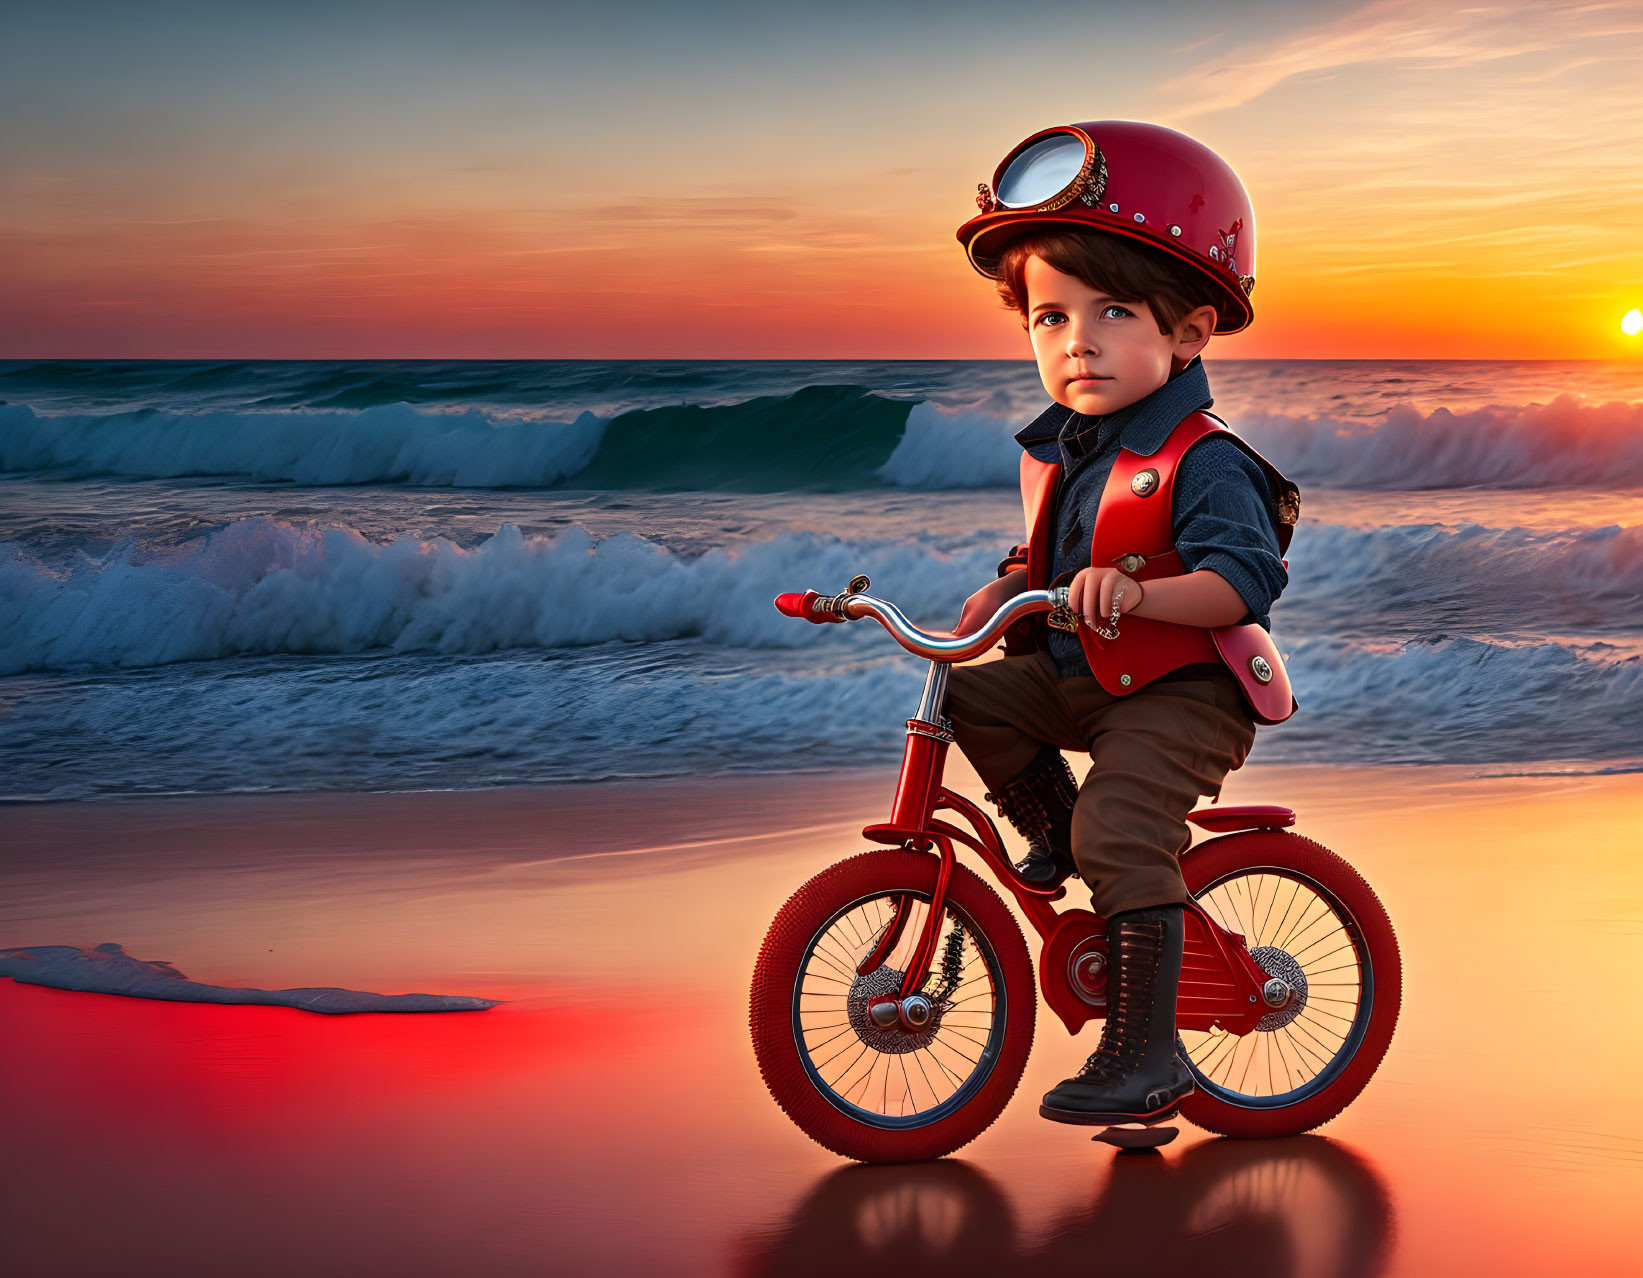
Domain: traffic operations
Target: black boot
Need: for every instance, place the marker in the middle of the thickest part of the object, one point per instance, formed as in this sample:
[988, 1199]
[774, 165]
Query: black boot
[1134, 1075]
[1039, 803]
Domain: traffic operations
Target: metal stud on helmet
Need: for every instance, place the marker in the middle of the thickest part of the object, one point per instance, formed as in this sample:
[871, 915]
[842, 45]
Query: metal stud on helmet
[1140, 181]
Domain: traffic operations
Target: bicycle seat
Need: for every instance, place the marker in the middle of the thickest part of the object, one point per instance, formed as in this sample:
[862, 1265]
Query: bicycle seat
[1247, 816]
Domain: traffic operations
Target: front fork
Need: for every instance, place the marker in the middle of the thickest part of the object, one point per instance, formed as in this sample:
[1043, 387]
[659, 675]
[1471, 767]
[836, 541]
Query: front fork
[912, 824]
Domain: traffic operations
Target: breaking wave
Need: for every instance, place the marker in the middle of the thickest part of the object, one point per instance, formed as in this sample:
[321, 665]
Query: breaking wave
[818, 438]
[261, 586]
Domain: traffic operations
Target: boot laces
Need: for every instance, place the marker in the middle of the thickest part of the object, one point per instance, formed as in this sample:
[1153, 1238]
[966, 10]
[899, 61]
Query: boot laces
[1025, 800]
[1129, 1018]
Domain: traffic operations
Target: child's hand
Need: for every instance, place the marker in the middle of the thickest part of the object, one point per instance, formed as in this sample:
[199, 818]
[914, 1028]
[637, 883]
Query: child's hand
[1093, 590]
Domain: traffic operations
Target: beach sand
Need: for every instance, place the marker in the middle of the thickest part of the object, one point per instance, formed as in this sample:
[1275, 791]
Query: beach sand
[609, 1117]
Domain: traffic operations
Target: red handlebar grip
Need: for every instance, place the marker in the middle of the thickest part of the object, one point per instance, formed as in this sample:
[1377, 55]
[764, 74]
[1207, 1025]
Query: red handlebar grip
[796, 605]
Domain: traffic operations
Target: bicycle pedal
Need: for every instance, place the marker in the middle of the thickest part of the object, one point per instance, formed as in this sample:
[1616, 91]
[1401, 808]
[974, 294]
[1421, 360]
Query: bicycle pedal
[1135, 1136]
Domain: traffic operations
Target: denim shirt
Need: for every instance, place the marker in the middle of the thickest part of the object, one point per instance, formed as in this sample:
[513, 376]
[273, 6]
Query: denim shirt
[1225, 514]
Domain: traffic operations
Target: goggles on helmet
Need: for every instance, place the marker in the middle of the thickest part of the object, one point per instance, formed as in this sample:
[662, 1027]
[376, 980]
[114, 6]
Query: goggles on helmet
[1049, 173]
[1138, 181]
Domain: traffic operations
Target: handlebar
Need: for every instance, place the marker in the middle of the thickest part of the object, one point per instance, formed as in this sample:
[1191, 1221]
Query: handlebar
[853, 603]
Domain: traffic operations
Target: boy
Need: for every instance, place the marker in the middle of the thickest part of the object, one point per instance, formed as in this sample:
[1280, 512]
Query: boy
[1120, 245]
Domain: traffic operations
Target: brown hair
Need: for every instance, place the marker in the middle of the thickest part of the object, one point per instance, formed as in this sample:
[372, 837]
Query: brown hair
[1121, 268]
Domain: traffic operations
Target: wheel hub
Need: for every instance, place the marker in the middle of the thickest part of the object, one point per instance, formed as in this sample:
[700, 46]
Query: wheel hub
[1286, 989]
[894, 1038]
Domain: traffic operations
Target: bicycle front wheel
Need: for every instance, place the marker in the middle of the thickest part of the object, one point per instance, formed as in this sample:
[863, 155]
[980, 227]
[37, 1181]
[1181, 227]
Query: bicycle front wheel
[880, 1094]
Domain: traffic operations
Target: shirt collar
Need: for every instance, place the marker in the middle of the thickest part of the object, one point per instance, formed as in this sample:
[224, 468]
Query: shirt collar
[1143, 426]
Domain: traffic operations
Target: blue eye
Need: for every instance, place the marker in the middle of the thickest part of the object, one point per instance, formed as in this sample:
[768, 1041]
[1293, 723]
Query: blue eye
[1120, 309]
[1047, 316]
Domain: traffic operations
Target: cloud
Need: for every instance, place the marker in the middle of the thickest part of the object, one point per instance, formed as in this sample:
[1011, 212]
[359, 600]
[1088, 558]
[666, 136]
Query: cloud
[1399, 31]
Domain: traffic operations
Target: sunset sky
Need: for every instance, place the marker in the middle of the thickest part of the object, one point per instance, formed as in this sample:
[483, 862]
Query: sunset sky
[491, 179]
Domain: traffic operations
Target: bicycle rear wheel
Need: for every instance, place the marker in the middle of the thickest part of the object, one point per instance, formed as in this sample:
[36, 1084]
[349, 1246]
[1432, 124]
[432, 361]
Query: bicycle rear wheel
[1310, 920]
[891, 1095]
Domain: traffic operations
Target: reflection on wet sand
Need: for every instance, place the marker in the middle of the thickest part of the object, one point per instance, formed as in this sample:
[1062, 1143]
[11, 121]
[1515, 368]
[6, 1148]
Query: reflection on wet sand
[609, 1117]
[1307, 1207]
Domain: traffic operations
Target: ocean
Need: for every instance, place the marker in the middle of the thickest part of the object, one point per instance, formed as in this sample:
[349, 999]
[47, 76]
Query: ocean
[421, 574]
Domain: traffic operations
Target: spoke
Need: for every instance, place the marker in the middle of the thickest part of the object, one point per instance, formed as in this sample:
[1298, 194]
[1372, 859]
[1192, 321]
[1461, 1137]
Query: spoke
[1304, 1053]
[835, 947]
[845, 972]
[933, 1042]
[1302, 920]
[1224, 1065]
[1293, 897]
[1297, 933]
[1334, 1016]
[1247, 1064]
[957, 1081]
[927, 1081]
[1291, 1072]
[813, 1048]
[845, 1072]
[1327, 1051]
[1242, 925]
[1296, 954]
[1267, 918]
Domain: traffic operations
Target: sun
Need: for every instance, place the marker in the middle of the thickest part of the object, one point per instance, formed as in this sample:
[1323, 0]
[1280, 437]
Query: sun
[1631, 323]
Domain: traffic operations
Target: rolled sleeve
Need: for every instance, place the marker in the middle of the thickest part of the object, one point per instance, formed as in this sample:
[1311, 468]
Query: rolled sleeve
[1226, 520]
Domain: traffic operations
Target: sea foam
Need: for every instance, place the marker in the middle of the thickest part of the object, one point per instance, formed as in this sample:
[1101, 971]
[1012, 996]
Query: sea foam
[108, 969]
[263, 586]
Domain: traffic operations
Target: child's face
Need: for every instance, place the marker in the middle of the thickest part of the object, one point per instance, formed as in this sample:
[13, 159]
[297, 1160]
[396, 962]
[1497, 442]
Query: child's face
[1096, 353]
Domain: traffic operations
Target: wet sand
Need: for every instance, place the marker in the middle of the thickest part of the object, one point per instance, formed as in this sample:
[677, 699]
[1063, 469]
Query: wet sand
[609, 1117]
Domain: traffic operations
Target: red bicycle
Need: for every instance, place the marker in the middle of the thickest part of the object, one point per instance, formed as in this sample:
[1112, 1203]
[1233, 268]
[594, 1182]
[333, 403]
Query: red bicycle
[893, 1000]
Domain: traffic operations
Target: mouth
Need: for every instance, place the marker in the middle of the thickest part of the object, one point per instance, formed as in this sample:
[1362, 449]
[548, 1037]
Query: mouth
[1087, 379]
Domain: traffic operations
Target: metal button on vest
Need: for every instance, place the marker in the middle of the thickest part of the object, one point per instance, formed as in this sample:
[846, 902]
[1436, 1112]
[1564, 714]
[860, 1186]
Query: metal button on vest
[1132, 563]
[1145, 482]
[1260, 669]
[1124, 679]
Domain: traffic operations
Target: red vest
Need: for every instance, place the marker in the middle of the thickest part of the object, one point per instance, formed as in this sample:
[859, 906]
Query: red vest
[1134, 531]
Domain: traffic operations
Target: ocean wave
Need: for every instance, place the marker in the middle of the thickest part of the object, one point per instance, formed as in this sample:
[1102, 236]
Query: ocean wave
[1564, 443]
[820, 438]
[264, 586]
[1377, 580]
[817, 438]
[407, 721]
[396, 721]
[954, 448]
[261, 585]
[1455, 699]
[394, 444]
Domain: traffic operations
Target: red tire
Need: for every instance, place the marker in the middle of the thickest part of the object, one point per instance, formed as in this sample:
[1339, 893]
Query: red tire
[1302, 910]
[803, 972]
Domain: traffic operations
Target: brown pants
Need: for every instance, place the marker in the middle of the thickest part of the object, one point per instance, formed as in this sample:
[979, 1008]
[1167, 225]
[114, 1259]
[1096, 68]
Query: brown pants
[1153, 752]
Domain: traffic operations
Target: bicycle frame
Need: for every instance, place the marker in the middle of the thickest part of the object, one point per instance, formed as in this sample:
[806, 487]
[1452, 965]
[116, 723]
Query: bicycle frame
[1220, 982]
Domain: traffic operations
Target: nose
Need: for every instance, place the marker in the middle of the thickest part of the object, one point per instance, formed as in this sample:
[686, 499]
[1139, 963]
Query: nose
[1078, 345]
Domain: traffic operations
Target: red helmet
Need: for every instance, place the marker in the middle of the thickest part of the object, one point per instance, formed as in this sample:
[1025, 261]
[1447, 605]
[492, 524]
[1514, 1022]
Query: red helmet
[1141, 181]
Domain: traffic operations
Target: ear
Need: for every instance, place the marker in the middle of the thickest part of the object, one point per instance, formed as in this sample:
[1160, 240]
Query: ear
[1192, 334]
